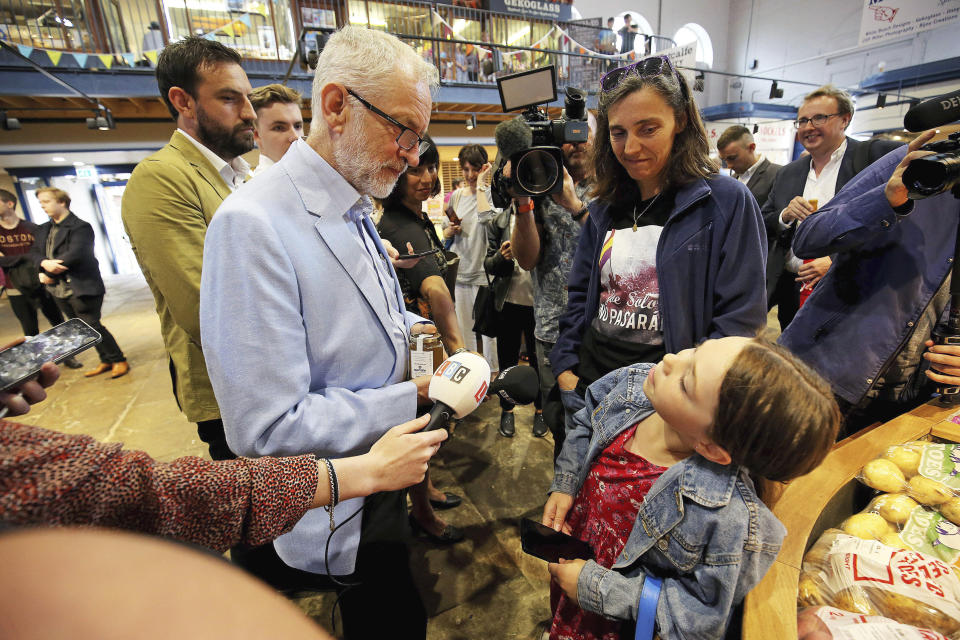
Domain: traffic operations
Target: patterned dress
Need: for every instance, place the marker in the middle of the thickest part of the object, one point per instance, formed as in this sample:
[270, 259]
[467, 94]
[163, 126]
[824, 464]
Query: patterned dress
[602, 515]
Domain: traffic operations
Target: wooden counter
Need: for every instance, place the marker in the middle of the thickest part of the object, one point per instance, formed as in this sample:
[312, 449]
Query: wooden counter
[770, 610]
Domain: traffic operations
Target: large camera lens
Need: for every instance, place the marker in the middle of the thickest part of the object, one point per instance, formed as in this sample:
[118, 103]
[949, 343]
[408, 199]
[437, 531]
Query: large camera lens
[536, 172]
[931, 175]
[574, 104]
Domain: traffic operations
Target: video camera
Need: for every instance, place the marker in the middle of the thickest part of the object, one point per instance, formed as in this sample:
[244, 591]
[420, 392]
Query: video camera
[930, 175]
[532, 142]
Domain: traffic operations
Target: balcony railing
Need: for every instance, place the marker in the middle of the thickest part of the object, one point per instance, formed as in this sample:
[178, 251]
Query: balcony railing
[468, 46]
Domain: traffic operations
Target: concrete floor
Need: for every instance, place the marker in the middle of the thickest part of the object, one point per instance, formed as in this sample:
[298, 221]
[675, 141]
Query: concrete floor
[482, 587]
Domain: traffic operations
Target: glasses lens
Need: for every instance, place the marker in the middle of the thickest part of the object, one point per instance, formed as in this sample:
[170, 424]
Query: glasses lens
[408, 139]
[652, 67]
[818, 119]
[612, 79]
[424, 147]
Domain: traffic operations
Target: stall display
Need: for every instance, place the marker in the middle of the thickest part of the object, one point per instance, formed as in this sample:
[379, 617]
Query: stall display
[843, 625]
[867, 577]
[898, 560]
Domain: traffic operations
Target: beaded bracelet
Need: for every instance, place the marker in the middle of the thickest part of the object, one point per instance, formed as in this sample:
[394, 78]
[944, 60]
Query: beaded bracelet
[334, 491]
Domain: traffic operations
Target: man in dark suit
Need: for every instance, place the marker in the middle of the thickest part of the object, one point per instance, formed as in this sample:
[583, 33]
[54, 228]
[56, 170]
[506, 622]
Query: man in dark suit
[69, 269]
[832, 160]
[739, 153]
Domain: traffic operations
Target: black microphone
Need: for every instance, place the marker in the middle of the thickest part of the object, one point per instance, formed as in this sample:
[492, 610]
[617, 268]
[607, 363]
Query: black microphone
[516, 385]
[933, 112]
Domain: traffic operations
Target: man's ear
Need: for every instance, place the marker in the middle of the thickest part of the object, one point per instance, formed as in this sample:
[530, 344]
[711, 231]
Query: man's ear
[183, 102]
[753, 147]
[333, 106]
[713, 452]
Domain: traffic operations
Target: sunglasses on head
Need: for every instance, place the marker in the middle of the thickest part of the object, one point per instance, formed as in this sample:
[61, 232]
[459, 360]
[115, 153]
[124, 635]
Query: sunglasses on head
[646, 68]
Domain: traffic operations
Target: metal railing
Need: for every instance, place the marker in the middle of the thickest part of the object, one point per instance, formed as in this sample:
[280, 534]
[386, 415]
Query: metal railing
[468, 46]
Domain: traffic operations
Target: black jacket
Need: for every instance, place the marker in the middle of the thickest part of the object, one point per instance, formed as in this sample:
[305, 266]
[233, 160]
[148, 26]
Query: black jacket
[789, 183]
[74, 245]
[496, 266]
[761, 182]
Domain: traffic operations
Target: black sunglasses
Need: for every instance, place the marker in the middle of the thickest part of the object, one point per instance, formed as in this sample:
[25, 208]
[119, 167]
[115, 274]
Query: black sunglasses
[646, 68]
[408, 138]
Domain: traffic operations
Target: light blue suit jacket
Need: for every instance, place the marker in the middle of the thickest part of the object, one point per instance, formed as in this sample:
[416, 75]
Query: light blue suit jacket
[302, 358]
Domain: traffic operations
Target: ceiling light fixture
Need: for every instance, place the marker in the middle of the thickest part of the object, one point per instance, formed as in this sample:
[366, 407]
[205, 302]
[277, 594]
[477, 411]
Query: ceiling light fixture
[471, 122]
[58, 159]
[775, 92]
[9, 124]
[881, 100]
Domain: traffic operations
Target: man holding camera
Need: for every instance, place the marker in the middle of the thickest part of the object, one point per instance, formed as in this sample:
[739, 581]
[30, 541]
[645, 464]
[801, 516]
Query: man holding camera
[889, 284]
[544, 240]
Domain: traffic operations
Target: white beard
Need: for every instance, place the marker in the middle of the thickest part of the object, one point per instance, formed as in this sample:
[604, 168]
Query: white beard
[354, 163]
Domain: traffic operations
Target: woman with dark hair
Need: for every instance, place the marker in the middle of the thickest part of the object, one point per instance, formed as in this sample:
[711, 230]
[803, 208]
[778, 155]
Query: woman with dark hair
[425, 292]
[672, 252]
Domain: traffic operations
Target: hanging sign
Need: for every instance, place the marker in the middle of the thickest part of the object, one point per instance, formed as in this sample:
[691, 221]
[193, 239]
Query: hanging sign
[892, 19]
[546, 9]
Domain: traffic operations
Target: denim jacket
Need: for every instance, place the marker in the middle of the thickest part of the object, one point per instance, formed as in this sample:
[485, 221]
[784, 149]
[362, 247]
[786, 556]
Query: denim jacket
[701, 528]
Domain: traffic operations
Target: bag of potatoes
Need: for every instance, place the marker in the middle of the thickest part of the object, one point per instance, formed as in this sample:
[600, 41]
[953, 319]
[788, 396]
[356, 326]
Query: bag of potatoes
[870, 578]
[843, 625]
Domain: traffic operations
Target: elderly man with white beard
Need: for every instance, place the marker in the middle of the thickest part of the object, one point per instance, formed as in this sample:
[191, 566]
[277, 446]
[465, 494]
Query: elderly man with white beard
[303, 323]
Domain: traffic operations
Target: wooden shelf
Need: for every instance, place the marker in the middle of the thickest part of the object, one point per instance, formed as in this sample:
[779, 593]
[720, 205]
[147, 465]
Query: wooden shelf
[770, 610]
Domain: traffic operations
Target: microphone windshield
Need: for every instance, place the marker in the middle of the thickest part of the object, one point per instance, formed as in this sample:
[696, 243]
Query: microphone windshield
[933, 112]
[517, 385]
[512, 136]
[460, 382]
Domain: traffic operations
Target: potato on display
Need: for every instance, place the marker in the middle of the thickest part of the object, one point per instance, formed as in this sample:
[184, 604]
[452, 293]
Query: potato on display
[895, 507]
[929, 492]
[906, 458]
[869, 526]
[883, 475]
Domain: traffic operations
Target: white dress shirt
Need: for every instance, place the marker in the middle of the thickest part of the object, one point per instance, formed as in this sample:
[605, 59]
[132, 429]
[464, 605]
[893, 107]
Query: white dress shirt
[262, 165]
[234, 173]
[821, 188]
[746, 175]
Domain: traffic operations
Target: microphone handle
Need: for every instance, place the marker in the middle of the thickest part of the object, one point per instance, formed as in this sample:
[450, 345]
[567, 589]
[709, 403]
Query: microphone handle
[440, 416]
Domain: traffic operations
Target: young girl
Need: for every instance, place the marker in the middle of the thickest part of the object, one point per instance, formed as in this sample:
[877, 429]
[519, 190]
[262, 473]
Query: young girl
[660, 462]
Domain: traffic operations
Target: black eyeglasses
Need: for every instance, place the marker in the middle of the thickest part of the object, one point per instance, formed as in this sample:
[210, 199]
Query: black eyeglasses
[818, 120]
[646, 68]
[408, 138]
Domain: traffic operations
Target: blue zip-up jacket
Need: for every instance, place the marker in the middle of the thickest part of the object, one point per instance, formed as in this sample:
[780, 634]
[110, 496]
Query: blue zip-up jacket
[711, 270]
[701, 527]
[886, 269]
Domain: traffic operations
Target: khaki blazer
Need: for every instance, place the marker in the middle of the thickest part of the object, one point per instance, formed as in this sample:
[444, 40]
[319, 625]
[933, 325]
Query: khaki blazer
[167, 206]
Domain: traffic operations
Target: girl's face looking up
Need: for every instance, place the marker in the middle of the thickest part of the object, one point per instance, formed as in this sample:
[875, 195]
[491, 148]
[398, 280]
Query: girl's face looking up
[684, 388]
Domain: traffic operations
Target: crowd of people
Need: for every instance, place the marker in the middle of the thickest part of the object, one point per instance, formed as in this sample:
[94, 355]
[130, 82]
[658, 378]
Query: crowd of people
[668, 420]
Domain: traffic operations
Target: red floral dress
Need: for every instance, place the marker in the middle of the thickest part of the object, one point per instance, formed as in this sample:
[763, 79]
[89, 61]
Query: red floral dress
[602, 515]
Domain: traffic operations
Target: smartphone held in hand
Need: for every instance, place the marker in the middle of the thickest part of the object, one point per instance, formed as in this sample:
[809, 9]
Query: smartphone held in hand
[22, 362]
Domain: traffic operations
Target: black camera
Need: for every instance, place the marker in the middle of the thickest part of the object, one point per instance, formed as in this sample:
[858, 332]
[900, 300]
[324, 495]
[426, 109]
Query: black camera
[532, 142]
[930, 175]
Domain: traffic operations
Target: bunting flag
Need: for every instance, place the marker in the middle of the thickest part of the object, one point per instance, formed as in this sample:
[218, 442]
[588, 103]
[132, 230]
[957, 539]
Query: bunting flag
[227, 29]
[129, 58]
[54, 56]
[106, 59]
[245, 19]
[81, 59]
[24, 50]
[151, 56]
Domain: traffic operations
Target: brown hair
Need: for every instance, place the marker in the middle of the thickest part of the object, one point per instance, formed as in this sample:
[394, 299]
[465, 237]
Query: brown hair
[474, 154]
[689, 157]
[59, 195]
[268, 94]
[776, 416]
[181, 62]
[7, 196]
[736, 133]
[844, 101]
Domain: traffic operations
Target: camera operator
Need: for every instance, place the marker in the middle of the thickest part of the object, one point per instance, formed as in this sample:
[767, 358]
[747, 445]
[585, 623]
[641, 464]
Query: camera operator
[544, 240]
[867, 327]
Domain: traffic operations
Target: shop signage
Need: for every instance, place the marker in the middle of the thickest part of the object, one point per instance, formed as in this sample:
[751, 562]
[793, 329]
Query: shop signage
[892, 19]
[87, 172]
[545, 9]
